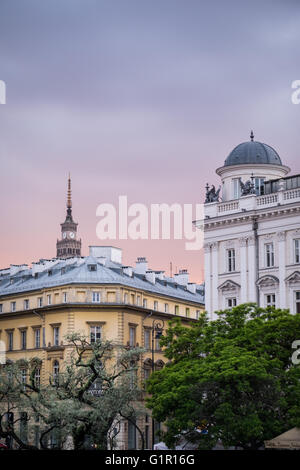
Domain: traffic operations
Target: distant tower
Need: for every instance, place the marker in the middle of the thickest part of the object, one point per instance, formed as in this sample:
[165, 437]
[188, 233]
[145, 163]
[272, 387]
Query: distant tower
[68, 246]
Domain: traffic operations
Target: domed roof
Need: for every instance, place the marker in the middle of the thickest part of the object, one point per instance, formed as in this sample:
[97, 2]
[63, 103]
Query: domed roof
[253, 152]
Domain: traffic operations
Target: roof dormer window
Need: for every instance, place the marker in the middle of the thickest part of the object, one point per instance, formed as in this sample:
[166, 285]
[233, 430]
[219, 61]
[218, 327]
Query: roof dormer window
[92, 267]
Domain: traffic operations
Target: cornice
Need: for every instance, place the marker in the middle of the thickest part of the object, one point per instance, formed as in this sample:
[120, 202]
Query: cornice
[98, 306]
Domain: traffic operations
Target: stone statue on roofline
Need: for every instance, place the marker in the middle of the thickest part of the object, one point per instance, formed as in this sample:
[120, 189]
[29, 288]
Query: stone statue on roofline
[247, 188]
[211, 194]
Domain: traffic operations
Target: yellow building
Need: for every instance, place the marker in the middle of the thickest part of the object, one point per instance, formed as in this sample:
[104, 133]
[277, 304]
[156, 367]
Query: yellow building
[95, 295]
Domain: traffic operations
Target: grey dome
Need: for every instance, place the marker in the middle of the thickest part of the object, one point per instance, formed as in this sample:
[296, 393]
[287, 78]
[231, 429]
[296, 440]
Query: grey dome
[253, 152]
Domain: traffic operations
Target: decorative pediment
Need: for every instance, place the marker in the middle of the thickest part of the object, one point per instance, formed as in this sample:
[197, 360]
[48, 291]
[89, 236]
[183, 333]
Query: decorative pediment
[148, 363]
[159, 364]
[267, 281]
[293, 278]
[229, 286]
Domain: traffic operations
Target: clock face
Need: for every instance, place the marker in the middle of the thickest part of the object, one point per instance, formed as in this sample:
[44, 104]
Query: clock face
[72, 234]
[64, 235]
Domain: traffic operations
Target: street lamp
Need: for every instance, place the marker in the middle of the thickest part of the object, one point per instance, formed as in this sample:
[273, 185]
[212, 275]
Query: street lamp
[157, 331]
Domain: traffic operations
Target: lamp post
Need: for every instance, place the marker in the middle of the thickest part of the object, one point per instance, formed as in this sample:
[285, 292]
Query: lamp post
[157, 331]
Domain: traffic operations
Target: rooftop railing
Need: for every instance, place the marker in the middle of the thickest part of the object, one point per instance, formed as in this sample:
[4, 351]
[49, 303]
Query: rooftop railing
[251, 202]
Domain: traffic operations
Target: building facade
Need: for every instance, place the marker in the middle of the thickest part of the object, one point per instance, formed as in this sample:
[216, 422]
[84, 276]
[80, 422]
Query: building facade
[252, 232]
[98, 296]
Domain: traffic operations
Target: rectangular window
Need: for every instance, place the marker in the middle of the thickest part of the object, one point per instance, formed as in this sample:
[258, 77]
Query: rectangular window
[147, 433]
[125, 298]
[147, 373]
[23, 376]
[231, 260]
[176, 309]
[10, 341]
[96, 297]
[92, 267]
[166, 308]
[197, 314]
[269, 253]
[147, 339]
[65, 297]
[138, 300]
[297, 295]
[23, 339]
[145, 303]
[24, 427]
[132, 299]
[37, 338]
[270, 300]
[56, 336]
[131, 436]
[111, 297]
[95, 333]
[1, 308]
[157, 429]
[37, 436]
[155, 305]
[26, 304]
[40, 301]
[132, 340]
[13, 306]
[157, 341]
[231, 302]
[259, 186]
[44, 337]
[187, 312]
[49, 300]
[236, 188]
[297, 250]
[37, 377]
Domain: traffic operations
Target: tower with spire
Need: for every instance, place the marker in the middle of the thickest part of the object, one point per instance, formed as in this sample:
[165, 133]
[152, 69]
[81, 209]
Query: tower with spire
[68, 246]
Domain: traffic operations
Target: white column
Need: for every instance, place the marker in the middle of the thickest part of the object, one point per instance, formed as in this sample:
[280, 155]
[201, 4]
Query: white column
[207, 276]
[251, 270]
[281, 271]
[243, 269]
[215, 277]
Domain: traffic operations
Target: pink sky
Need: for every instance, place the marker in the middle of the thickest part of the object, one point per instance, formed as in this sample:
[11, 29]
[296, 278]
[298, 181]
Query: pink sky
[144, 101]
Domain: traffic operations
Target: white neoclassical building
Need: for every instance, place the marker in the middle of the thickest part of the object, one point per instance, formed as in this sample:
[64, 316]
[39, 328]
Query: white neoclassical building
[252, 232]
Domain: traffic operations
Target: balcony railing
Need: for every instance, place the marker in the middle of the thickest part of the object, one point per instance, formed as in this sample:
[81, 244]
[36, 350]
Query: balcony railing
[251, 202]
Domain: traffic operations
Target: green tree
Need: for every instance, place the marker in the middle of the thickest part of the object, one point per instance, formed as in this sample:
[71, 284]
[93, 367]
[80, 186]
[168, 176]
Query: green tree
[231, 379]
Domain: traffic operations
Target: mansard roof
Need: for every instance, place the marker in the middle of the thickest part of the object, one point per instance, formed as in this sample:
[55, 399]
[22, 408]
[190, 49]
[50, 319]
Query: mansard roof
[59, 272]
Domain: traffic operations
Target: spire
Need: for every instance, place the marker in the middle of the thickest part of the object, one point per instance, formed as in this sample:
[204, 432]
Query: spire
[69, 200]
[252, 136]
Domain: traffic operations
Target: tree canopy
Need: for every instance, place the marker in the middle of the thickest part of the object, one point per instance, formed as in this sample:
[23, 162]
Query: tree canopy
[230, 380]
[97, 388]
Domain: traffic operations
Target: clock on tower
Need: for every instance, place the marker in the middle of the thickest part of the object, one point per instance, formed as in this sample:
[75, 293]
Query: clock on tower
[68, 246]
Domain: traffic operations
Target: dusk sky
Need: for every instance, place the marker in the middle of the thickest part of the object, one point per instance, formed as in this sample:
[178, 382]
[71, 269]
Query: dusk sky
[137, 98]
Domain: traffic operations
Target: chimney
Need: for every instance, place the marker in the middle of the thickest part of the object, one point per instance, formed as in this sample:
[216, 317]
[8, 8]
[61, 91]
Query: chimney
[141, 266]
[127, 270]
[111, 253]
[102, 260]
[191, 287]
[160, 275]
[15, 268]
[150, 276]
[182, 277]
[37, 268]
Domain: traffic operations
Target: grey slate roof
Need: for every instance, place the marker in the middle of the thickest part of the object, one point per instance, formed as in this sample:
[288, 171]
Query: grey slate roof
[76, 271]
[253, 152]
